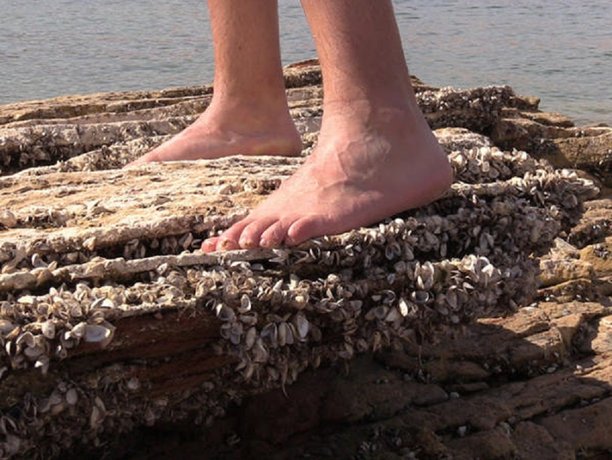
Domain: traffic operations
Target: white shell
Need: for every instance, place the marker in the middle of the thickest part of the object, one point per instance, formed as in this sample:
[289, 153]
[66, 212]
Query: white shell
[98, 333]
[302, 326]
[72, 396]
[48, 329]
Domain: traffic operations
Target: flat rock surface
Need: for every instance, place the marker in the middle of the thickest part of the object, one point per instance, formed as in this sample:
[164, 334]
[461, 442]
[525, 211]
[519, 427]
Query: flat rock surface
[476, 327]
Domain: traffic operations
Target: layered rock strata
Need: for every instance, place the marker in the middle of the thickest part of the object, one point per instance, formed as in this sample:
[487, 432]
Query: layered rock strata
[109, 319]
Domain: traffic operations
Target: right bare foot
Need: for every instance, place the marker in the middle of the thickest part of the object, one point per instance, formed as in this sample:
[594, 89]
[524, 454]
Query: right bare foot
[369, 164]
[224, 131]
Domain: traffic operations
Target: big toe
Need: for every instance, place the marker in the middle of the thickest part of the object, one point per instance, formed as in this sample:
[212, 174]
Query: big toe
[147, 158]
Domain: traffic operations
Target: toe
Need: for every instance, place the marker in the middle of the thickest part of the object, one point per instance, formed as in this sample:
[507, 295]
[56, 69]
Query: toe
[303, 229]
[229, 239]
[274, 235]
[147, 158]
[136, 162]
[210, 244]
[226, 244]
[251, 234]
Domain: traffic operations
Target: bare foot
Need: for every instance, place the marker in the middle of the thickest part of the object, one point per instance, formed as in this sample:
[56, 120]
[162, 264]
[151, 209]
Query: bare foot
[225, 131]
[369, 165]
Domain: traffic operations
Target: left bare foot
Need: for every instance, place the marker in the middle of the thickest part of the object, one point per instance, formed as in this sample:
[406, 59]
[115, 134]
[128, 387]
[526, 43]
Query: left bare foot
[227, 128]
[369, 165]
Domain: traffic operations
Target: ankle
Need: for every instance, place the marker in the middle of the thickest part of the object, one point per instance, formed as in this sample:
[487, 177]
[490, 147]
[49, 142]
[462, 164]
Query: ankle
[266, 100]
[253, 113]
[372, 106]
[364, 116]
[400, 96]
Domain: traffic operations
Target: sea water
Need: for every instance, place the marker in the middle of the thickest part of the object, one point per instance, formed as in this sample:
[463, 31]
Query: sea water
[560, 51]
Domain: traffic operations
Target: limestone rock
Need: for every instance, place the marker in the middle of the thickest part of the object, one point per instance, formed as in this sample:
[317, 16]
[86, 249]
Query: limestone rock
[565, 146]
[595, 224]
[111, 320]
[522, 401]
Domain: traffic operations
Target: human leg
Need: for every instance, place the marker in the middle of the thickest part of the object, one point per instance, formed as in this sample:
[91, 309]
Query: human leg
[376, 155]
[248, 113]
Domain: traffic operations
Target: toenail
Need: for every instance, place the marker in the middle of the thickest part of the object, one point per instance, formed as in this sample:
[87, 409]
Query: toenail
[247, 244]
[226, 244]
[266, 243]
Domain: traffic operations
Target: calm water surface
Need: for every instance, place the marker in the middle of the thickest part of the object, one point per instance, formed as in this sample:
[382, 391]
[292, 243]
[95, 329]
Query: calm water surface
[558, 50]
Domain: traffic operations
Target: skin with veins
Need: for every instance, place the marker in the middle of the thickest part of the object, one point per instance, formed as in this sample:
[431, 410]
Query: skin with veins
[376, 155]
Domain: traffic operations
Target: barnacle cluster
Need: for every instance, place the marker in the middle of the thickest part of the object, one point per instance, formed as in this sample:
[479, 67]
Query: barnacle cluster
[281, 311]
[108, 322]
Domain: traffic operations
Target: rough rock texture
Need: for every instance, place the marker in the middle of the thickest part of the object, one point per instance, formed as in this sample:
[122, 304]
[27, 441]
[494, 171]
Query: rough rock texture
[551, 136]
[477, 326]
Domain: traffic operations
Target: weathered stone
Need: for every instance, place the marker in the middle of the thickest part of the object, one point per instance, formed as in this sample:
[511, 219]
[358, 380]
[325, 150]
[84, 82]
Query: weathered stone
[549, 118]
[595, 224]
[589, 149]
[109, 321]
[591, 153]
[43, 144]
